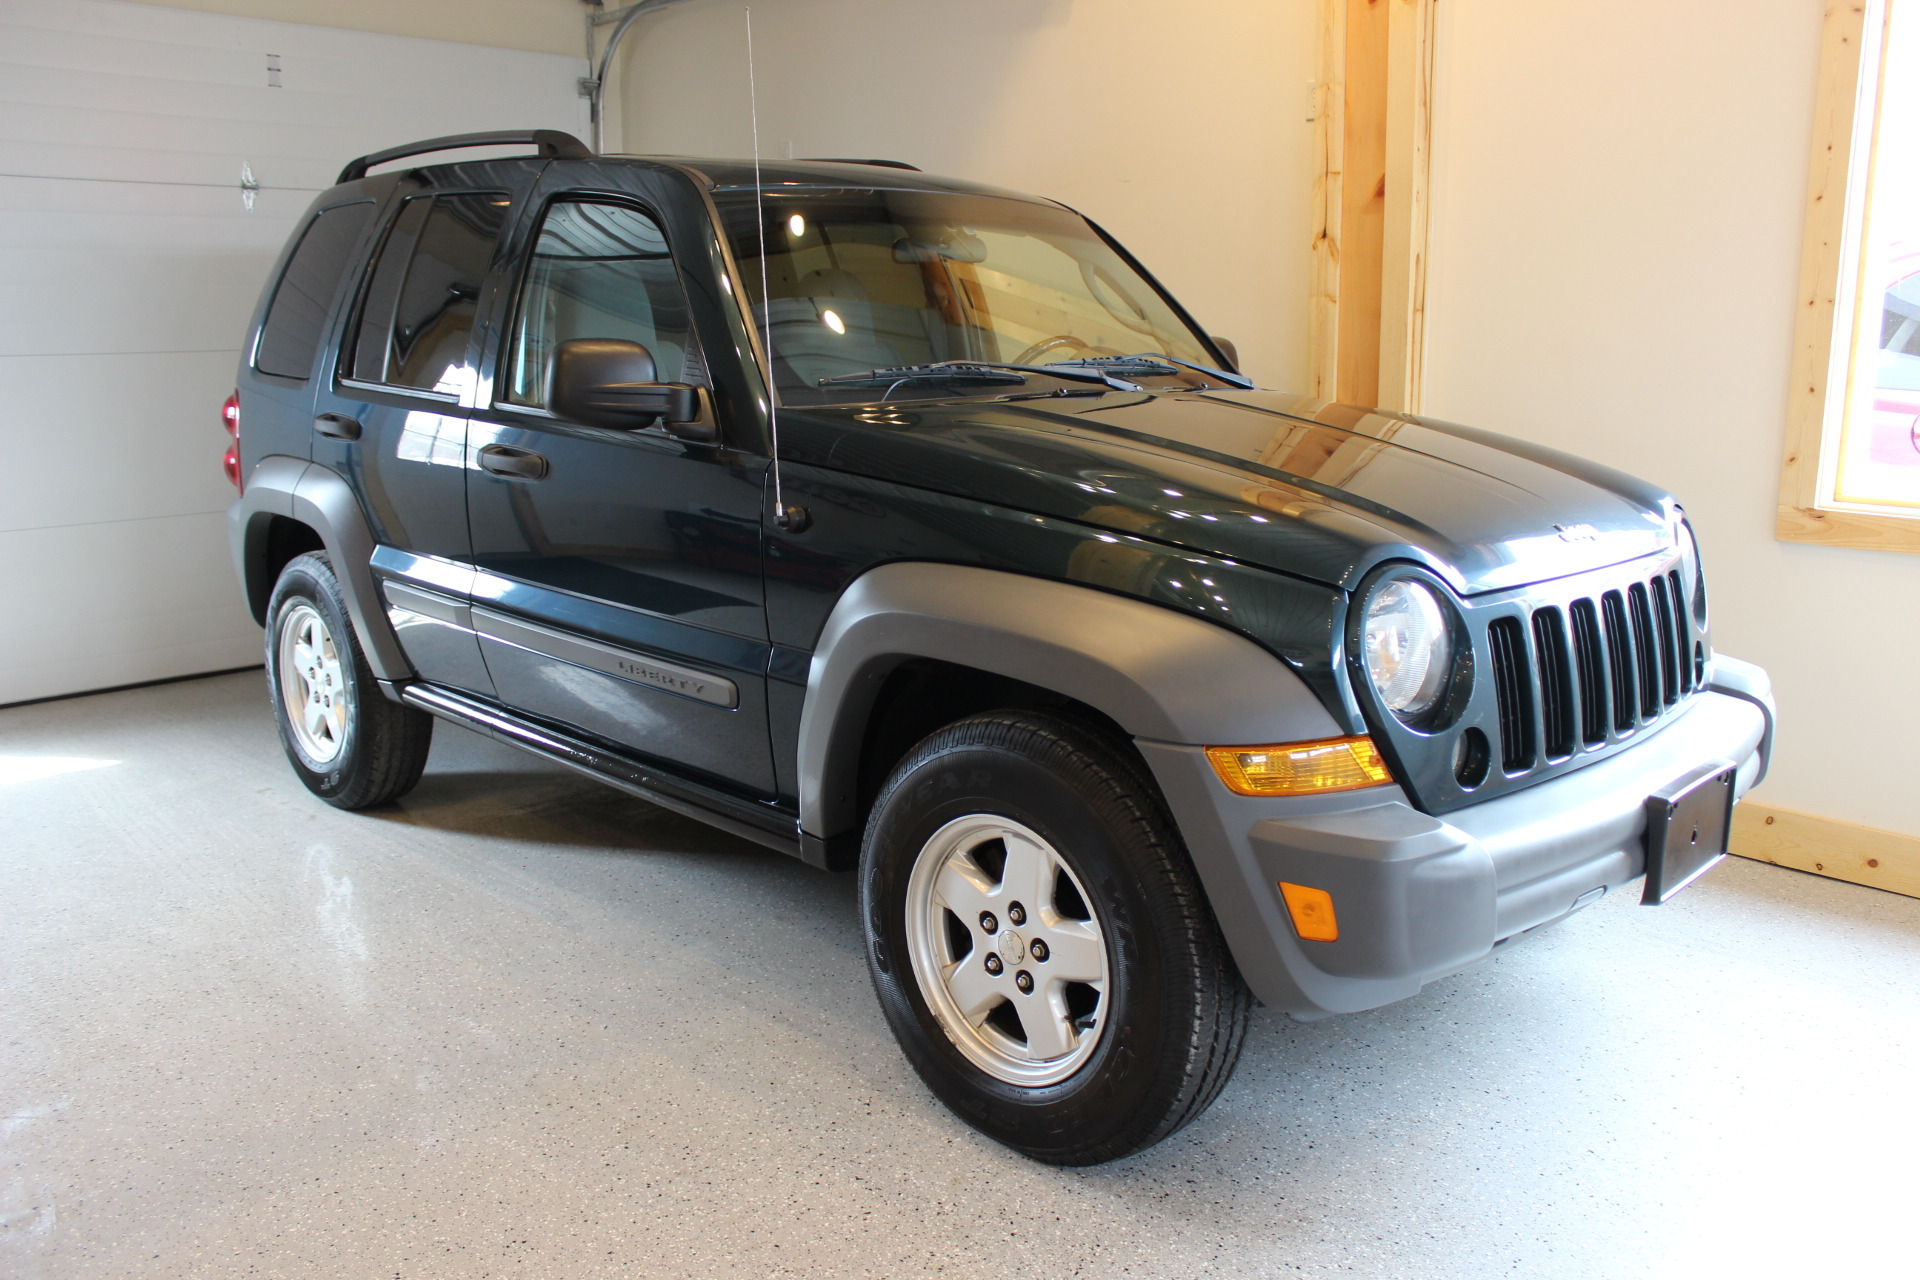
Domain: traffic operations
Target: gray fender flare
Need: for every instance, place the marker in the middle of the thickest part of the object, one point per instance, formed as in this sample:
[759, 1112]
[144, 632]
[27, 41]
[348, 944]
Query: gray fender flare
[318, 498]
[1171, 680]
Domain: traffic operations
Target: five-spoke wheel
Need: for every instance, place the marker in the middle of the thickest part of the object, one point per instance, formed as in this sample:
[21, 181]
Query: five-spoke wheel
[1038, 940]
[1008, 950]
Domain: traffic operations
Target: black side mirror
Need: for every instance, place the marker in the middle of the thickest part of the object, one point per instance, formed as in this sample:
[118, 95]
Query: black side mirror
[609, 382]
[1228, 350]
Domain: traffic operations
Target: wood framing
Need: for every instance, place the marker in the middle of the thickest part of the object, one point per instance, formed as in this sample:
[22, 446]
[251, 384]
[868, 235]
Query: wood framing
[1837, 186]
[1373, 130]
[1864, 855]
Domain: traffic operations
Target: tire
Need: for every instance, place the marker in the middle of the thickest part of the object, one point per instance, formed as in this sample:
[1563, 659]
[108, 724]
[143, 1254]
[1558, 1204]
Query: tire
[350, 744]
[1133, 1014]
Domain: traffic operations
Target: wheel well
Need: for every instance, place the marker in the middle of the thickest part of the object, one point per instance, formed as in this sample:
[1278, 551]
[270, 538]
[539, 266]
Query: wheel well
[922, 695]
[271, 548]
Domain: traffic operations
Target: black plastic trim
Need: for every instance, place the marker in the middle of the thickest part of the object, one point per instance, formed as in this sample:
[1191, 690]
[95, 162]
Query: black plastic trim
[553, 144]
[762, 824]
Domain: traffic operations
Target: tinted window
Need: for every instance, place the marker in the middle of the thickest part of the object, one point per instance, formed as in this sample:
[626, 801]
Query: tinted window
[298, 313]
[598, 271]
[419, 307]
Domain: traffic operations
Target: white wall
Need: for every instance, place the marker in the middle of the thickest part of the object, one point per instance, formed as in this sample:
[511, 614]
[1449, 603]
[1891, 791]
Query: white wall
[1180, 128]
[132, 265]
[1616, 235]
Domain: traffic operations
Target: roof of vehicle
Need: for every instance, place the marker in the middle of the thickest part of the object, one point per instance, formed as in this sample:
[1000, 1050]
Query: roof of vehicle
[737, 174]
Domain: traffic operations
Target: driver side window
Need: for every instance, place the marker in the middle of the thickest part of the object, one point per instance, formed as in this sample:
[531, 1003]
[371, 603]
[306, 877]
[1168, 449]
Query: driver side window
[598, 271]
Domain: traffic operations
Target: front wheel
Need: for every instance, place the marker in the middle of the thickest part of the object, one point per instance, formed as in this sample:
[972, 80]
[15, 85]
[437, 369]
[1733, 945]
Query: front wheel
[351, 745]
[1040, 946]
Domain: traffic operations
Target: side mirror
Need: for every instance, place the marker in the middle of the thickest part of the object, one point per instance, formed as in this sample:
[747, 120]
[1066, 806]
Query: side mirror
[609, 382]
[1228, 350]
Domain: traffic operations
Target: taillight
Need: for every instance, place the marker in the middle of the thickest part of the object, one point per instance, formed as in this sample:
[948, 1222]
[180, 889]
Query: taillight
[230, 416]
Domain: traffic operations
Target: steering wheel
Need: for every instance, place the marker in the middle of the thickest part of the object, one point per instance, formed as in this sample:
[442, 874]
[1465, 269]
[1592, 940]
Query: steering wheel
[1032, 354]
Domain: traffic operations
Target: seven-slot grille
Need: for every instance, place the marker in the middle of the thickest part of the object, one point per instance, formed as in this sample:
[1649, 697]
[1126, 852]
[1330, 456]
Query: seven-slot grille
[1601, 668]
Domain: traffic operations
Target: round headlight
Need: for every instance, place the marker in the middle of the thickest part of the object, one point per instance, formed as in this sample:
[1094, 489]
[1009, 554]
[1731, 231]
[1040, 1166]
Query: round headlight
[1407, 647]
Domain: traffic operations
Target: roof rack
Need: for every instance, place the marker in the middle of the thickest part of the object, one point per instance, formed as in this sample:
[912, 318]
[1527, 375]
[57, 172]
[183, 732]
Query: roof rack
[553, 145]
[885, 164]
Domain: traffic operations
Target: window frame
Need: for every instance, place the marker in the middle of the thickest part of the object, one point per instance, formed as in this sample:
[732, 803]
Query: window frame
[1832, 260]
[347, 346]
[501, 341]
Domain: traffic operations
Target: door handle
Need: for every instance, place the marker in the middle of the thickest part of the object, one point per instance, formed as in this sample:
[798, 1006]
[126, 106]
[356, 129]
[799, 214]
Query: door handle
[514, 464]
[337, 426]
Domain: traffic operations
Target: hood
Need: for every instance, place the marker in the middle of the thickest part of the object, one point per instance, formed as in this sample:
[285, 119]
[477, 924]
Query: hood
[1308, 488]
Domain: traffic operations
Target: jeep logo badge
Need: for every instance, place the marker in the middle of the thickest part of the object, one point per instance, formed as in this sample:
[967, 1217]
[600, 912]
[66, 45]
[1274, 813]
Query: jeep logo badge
[1576, 532]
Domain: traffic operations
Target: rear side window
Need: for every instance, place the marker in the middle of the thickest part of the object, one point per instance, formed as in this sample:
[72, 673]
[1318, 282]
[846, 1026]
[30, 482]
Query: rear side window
[419, 307]
[298, 313]
[598, 271]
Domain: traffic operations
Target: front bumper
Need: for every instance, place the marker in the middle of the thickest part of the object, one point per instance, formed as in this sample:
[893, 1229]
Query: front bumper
[1419, 897]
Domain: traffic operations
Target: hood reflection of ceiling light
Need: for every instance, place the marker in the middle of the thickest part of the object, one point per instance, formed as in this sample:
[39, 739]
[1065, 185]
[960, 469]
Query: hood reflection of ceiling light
[832, 320]
[797, 225]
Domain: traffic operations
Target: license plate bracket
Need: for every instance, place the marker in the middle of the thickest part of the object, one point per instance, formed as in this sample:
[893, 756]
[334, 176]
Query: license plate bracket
[1687, 827]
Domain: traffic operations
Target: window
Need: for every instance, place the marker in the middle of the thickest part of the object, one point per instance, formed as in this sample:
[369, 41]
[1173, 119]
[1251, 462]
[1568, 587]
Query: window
[598, 271]
[873, 280]
[1852, 473]
[290, 337]
[418, 311]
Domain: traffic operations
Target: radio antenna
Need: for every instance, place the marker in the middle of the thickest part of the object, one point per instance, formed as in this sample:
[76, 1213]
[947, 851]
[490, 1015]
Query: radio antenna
[794, 519]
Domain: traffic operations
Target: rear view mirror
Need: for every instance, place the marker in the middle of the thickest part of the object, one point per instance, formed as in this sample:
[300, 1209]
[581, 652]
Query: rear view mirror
[609, 382]
[1228, 350]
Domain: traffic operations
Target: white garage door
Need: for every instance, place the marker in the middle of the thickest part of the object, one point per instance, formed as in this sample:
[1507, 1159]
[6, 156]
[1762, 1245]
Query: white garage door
[129, 264]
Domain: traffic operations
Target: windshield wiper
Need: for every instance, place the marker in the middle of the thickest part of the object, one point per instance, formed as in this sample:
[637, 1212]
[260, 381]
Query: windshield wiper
[1144, 360]
[989, 371]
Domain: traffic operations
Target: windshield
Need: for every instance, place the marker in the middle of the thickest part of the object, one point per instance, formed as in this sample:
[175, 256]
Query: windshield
[887, 282]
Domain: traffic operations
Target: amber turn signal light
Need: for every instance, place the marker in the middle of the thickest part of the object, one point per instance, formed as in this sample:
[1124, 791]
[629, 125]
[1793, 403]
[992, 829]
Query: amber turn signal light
[1312, 912]
[1301, 768]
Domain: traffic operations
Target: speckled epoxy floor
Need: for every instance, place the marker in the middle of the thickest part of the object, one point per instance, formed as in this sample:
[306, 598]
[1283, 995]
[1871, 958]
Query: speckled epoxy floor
[521, 1026]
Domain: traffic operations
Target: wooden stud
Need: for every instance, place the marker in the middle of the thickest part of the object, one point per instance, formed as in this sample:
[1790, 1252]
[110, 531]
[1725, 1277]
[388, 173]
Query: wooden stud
[1329, 145]
[1372, 138]
[1403, 274]
[1840, 850]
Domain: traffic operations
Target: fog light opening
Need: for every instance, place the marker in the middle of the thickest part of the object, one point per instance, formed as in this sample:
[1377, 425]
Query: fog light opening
[1470, 759]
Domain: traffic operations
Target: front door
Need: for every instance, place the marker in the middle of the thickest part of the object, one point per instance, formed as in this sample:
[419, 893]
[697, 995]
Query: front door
[618, 572]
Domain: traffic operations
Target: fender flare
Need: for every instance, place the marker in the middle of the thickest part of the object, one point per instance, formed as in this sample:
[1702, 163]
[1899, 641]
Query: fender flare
[1160, 675]
[320, 499]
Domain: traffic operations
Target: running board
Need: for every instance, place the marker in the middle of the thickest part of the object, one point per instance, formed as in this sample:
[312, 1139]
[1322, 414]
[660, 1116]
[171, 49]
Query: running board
[716, 808]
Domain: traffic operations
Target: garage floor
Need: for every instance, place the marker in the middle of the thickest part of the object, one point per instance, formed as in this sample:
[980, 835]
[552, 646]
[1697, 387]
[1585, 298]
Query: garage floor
[523, 1026]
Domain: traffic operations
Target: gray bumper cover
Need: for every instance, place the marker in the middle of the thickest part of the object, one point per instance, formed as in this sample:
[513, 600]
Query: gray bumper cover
[1417, 896]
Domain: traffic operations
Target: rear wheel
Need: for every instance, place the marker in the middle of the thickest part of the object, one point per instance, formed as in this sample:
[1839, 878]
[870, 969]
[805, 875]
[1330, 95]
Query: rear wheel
[351, 745]
[1039, 943]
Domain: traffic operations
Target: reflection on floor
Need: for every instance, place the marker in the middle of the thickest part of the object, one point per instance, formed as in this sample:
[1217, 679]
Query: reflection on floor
[523, 1026]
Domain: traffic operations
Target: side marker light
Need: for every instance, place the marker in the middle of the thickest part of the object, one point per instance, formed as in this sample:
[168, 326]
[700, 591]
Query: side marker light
[1301, 768]
[1312, 912]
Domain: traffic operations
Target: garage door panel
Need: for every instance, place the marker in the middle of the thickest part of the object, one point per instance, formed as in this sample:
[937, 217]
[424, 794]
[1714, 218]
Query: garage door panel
[105, 437]
[125, 268]
[133, 268]
[138, 600]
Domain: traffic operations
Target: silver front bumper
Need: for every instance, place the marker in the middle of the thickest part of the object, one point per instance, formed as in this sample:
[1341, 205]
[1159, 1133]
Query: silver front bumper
[1419, 896]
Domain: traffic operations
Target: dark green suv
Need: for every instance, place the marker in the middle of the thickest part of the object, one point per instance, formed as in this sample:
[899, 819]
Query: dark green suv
[899, 523]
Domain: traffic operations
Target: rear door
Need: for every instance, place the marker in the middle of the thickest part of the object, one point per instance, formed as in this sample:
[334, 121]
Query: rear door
[618, 586]
[393, 419]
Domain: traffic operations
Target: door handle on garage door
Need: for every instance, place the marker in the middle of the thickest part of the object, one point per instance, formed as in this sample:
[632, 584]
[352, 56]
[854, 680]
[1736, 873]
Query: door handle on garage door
[514, 464]
[337, 426]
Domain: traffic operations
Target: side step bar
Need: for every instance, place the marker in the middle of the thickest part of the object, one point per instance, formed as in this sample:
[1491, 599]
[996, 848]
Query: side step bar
[741, 817]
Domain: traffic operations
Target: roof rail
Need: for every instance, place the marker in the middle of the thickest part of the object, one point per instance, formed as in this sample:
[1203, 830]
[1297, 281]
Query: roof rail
[553, 145]
[885, 164]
